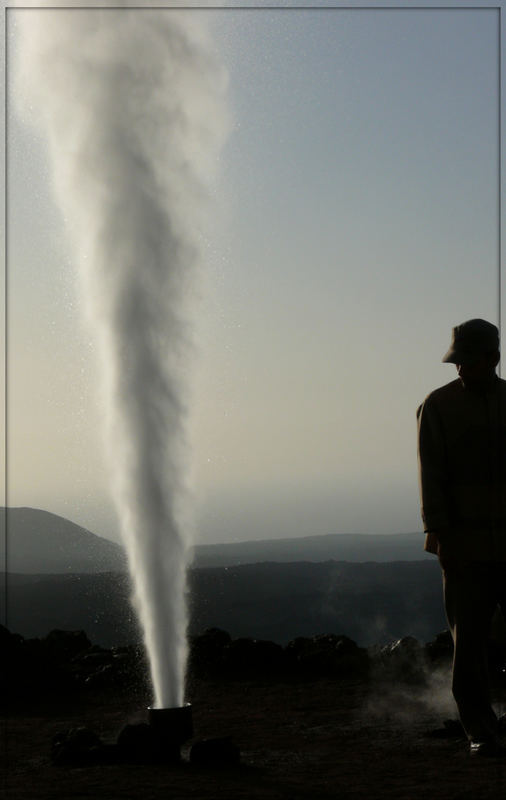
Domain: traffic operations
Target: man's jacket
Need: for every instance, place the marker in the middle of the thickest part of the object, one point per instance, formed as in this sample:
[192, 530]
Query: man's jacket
[462, 470]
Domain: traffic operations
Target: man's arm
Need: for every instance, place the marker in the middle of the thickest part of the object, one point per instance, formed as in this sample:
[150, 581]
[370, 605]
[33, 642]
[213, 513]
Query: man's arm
[433, 476]
[431, 543]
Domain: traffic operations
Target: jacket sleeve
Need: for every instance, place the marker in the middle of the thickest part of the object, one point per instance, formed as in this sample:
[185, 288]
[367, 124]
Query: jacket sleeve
[432, 469]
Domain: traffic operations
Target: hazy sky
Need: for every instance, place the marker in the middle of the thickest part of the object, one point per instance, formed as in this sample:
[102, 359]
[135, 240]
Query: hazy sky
[357, 223]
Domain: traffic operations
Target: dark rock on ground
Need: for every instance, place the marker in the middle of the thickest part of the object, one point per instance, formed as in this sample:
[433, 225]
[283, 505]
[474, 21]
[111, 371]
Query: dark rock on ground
[62, 662]
[214, 653]
[326, 655]
[32, 667]
[97, 656]
[207, 653]
[244, 658]
[65, 645]
[219, 752]
[140, 744]
[402, 660]
[77, 746]
[440, 649]
[103, 677]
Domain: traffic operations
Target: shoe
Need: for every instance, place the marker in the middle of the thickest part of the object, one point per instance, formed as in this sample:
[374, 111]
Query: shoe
[490, 748]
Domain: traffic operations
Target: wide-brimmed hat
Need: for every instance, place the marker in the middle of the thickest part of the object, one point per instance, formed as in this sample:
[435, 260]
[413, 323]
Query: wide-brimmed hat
[470, 340]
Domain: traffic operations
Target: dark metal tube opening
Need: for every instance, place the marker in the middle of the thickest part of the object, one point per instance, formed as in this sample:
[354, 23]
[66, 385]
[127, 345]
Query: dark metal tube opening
[173, 726]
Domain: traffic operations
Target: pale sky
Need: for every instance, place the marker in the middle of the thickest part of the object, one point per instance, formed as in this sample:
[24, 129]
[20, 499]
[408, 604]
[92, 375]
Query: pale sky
[358, 222]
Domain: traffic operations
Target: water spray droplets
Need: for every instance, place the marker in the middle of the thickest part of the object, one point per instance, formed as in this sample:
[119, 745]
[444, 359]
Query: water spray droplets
[133, 108]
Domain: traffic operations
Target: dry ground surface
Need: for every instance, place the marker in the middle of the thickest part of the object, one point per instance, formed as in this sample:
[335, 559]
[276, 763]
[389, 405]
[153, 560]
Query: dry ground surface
[314, 739]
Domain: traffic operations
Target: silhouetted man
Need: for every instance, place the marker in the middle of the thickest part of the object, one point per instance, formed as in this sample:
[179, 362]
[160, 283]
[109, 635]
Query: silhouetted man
[462, 469]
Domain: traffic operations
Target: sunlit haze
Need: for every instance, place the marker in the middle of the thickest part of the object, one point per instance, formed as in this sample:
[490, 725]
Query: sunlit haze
[356, 222]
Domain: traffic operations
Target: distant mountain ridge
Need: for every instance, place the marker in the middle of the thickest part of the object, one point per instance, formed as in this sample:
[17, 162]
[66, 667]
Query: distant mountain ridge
[40, 542]
[63, 576]
[330, 547]
[45, 543]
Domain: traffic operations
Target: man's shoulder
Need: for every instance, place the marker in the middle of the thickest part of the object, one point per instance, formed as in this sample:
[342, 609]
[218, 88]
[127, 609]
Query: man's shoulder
[454, 392]
[446, 393]
[456, 389]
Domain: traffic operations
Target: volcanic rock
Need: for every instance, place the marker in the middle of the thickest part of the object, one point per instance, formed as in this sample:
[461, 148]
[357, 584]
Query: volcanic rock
[206, 652]
[219, 752]
[252, 658]
[104, 677]
[78, 746]
[139, 743]
[328, 655]
[62, 646]
[440, 650]
[403, 660]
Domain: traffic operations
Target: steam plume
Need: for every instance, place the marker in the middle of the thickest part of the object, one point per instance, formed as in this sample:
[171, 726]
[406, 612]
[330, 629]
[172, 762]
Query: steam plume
[132, 105]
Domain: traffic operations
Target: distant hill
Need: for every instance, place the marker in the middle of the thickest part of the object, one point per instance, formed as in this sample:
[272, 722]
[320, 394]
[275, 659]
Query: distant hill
[337, 547]
[40, 542]
[370, 602]
[63, 576]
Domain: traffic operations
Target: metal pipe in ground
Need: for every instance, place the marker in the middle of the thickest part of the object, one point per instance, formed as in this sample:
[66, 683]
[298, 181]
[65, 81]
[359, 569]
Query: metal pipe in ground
[172, 726]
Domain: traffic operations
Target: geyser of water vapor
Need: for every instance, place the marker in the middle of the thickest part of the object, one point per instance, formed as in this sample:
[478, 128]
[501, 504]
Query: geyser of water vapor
[132, 103]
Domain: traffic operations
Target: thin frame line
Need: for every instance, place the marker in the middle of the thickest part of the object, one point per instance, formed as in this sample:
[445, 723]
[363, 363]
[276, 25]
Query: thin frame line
[499, 188]
[6, 329]
[492, 7]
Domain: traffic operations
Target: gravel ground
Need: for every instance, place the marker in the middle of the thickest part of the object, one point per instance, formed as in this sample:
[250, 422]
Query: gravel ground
[315, 739]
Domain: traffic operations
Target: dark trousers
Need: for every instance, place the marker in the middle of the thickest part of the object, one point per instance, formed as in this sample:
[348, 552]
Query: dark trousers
[472, 592]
